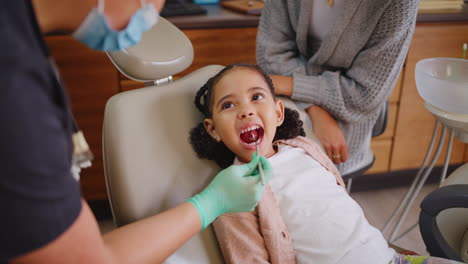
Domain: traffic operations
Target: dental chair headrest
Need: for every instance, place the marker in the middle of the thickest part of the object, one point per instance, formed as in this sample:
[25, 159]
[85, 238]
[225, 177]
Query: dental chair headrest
[163, 51]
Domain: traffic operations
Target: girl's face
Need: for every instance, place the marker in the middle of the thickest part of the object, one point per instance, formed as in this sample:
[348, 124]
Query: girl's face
[244, 113]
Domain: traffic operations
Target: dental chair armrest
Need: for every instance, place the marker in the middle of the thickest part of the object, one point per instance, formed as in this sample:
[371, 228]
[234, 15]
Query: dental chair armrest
[382, 121]
[451, 196]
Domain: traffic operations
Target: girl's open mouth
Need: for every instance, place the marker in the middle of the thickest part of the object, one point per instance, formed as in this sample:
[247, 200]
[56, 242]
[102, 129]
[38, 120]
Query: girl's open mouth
[252, 136]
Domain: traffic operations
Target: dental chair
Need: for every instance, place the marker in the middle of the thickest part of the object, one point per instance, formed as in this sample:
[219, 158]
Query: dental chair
[148, 161]
[443, 220]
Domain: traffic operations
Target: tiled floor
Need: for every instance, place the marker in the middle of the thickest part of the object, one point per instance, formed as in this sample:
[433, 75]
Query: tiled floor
[379, 205]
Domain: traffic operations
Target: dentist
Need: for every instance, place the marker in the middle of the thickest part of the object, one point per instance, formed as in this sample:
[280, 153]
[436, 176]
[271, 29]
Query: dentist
[44, 219]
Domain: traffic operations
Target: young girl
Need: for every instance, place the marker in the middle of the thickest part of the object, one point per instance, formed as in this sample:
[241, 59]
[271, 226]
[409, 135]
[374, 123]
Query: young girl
[305, 214]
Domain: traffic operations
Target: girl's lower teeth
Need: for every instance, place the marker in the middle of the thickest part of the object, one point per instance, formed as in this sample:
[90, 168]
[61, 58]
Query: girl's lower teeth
[253, 143]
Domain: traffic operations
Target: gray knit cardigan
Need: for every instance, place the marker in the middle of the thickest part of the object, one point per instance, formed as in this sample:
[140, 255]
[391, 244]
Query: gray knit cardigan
[352, 73]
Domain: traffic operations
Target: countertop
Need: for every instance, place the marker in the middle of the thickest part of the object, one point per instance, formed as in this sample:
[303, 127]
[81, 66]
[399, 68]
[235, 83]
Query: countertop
[218, 17]
[461, 16]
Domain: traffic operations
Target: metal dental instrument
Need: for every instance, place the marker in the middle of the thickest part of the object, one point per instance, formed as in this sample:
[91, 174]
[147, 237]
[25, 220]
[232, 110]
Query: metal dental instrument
[260, 169]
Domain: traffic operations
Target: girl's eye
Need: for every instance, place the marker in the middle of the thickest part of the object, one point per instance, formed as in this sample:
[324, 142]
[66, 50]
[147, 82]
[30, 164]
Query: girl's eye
[227, 105]
[257, 97]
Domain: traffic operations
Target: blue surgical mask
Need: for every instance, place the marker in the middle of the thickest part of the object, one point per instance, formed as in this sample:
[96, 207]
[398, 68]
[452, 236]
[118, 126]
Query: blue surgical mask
[96, 33]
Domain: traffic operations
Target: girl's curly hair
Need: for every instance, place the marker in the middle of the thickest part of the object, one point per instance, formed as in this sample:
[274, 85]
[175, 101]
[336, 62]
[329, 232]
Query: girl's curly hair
[207, 147]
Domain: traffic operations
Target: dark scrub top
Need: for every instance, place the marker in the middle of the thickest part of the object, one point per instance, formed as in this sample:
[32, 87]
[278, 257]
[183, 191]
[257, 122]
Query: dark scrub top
[39, 198]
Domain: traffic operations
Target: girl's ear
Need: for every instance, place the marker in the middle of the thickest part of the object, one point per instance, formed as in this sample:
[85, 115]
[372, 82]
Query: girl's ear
[209, 126]
[279, 105]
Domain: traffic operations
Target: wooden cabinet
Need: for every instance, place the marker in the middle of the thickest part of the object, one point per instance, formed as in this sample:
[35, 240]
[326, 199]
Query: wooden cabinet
[382, 145]
[414, 123]
[91, 80]
[222, 46]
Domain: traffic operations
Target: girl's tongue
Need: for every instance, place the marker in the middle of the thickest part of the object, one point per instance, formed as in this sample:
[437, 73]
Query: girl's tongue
[252, 136]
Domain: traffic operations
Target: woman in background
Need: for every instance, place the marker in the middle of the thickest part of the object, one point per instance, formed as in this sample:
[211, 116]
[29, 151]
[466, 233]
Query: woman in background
[338, 60]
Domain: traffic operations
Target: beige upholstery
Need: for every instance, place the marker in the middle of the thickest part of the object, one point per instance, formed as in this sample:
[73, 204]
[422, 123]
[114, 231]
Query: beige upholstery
[149, 163]
[163, 51]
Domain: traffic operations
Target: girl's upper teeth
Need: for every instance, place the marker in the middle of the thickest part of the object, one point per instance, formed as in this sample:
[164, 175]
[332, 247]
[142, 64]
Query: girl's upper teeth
[249, 129]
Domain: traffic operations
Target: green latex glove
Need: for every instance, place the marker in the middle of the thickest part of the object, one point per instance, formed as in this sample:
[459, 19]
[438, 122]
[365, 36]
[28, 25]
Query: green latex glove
[235, 189]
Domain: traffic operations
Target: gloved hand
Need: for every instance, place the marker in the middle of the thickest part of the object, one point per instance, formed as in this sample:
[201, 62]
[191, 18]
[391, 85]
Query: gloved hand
[235, 189]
